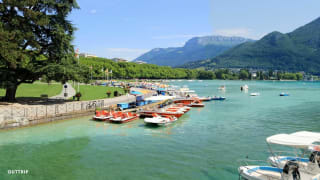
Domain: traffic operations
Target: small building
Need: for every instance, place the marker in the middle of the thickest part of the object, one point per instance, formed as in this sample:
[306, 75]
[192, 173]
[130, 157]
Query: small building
[253, 75]
[87, 55]
[140, 62]
[119, 60]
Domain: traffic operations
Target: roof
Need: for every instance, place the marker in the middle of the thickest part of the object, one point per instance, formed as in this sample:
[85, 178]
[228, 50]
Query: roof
[136, 93]
[292, 140]
[159, 98]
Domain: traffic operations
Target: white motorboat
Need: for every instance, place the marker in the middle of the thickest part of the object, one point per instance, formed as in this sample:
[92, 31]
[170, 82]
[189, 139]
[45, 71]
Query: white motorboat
[222, 88]
[255, 94]
[244, 88]
[289, 172]
[303, 140]
[288, 167]
[159, 120]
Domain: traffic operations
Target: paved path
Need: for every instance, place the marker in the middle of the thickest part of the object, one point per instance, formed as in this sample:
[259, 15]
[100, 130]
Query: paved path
[70, 90]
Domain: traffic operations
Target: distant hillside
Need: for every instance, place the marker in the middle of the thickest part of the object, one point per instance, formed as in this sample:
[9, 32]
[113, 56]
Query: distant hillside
[295, 51]
[197, 48]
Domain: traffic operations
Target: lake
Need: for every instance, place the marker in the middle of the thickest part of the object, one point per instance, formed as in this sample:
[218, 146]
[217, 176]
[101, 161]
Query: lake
[206, 143]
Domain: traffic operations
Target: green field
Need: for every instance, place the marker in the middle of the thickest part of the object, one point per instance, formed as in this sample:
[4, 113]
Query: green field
[90, 92]
[35, 90]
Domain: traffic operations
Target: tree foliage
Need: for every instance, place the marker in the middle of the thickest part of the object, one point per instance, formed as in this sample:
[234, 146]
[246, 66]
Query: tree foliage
[130, 70]
[35, 41]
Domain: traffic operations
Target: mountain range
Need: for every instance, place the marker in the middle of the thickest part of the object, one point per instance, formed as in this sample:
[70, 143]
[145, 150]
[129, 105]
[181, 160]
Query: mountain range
[298, 50]
[197, 48]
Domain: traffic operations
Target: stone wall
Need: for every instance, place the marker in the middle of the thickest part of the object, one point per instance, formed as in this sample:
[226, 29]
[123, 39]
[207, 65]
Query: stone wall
[13, 116]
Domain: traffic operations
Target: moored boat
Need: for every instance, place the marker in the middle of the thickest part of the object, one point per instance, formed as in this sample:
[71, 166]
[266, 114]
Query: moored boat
[218, 98]
[205, 98]
[102, 115]
[146, 113]
[244, 88]
[159, 120]
[196, 103]
[289, 172]
[284, 94]
[304, 140]
[120, 117]
[255, 94]
[222, 88]
[184, 101]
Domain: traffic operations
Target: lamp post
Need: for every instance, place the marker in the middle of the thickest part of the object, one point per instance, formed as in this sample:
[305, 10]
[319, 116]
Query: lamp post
[91, 71]
[77, 56]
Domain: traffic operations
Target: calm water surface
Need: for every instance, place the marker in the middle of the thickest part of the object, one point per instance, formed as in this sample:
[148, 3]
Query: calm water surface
[204, 144]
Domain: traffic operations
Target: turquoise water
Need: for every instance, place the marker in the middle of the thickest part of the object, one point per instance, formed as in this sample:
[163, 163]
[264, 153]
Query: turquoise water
[204, 144]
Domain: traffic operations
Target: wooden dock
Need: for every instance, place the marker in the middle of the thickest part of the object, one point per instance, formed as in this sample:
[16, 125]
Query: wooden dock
[148, 106]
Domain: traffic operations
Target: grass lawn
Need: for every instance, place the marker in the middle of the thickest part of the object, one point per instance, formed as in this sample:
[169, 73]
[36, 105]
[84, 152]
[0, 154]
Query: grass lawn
[35, 90]
[90, 92]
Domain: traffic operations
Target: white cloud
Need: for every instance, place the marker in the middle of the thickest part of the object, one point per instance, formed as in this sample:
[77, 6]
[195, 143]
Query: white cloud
[180, 36]
[242, 32]
[93, 11]
[126, 53]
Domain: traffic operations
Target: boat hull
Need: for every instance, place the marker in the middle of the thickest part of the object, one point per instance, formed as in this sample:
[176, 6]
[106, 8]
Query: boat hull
[149, 114]
[196, 105]
[98, 118]
[219, 99]
[124, 121]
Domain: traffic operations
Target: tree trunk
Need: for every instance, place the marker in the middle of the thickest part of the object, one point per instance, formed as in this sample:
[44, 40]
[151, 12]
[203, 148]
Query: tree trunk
[11, 93]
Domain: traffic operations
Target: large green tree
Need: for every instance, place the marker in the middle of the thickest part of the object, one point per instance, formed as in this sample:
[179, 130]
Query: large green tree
[35, 41]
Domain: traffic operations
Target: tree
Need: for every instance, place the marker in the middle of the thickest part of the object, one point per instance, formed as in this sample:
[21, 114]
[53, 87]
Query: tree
[35, 41]
[244, 74]
[270, 74]
[299, 76]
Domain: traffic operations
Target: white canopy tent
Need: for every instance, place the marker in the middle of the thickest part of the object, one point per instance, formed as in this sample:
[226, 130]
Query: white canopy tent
[292, 140]
[307, 134]
[159, 98]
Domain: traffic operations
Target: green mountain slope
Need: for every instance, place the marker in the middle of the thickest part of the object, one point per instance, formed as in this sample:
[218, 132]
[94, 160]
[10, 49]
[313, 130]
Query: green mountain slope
[197, 48]
[295, 51]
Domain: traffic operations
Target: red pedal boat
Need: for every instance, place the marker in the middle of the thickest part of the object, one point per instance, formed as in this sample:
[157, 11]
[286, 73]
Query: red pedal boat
[120, 117]
[102, 115]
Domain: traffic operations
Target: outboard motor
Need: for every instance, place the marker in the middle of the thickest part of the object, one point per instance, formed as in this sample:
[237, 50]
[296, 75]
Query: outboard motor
[315, 157]
[291, 169]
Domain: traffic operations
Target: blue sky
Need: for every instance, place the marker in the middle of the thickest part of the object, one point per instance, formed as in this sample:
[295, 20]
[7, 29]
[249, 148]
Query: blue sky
[128, 28]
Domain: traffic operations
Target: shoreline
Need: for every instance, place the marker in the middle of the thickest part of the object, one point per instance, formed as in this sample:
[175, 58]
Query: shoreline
[13, 116]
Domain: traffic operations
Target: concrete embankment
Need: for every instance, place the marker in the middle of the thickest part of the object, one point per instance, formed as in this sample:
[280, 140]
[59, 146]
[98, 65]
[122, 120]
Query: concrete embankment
[12, 116]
